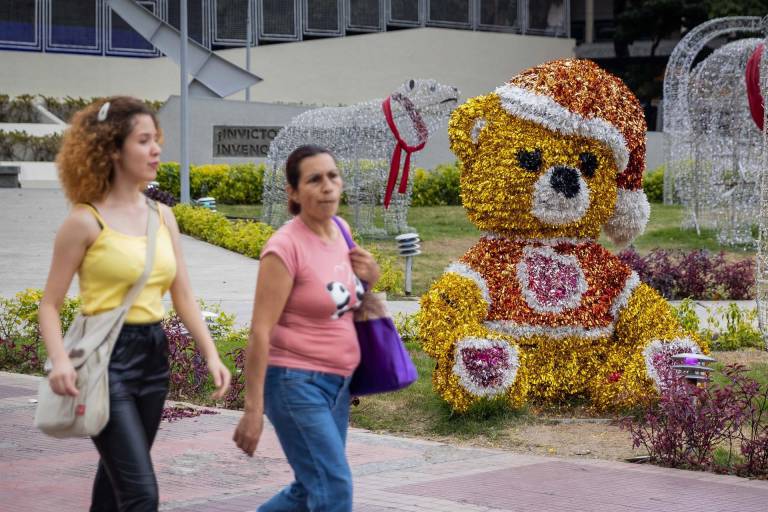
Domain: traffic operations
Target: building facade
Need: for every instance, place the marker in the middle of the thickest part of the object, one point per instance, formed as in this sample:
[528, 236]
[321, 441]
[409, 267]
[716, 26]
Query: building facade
[90, 26]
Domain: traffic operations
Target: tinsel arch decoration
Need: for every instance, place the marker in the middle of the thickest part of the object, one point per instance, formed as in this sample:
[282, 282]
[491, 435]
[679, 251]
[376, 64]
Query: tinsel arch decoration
[374, 142]
[713, 149]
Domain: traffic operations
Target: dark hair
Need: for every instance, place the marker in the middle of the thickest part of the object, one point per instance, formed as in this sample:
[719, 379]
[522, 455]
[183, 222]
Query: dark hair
[293, 171]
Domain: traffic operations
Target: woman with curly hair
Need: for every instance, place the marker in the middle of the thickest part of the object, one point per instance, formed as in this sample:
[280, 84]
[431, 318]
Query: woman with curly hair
[107, 157]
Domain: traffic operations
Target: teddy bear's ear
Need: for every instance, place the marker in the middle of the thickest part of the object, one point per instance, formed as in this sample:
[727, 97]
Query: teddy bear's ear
[629, 217]
[464, 128]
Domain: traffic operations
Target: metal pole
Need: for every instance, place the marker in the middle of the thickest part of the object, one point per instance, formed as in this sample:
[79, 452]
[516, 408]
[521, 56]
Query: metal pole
[184, 169]
[589, 21]
[408, 274]
[248, 49]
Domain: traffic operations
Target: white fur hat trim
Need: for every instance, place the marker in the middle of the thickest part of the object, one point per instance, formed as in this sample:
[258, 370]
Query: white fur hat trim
[547, 112]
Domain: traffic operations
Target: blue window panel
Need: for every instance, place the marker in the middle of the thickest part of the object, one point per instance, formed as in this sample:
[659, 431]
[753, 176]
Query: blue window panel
[74, 24]
[20, 24]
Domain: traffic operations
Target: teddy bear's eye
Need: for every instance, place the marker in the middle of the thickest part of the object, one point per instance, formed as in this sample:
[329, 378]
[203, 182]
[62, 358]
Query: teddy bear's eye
[529, 160]
[587, 164]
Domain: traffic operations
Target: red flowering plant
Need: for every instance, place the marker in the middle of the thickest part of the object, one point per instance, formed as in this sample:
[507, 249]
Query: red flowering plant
[687, 424]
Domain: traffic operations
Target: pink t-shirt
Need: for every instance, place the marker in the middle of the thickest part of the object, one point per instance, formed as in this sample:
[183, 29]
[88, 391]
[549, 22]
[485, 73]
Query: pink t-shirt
[316, 330]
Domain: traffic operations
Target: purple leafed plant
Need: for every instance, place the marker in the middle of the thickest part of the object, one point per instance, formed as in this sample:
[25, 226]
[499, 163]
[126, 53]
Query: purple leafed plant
[171, 414]
[189, 373]
[160, 196]
[695, 274]
[685, 424]
[235, 398]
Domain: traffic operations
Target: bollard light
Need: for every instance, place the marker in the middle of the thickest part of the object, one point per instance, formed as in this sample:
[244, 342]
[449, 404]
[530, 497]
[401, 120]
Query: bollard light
[693, 366]
[408, 246]
[207, 202]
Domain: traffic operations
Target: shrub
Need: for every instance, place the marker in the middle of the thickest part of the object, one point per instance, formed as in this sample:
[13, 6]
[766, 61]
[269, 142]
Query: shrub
[20, 109]
[229, 184]
[653, 185]
[189, 372]
[408, 327]
[687, 316]
[21, 345]
[696, 274]
[738, 331]
[391, 280]
[687, 424]
[438, 187]
[727, 327]
[244, 237]
[65, 108]
[20, 146]
[160, 195]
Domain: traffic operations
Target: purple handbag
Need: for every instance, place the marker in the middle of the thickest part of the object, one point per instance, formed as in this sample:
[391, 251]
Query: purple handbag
[385, 364]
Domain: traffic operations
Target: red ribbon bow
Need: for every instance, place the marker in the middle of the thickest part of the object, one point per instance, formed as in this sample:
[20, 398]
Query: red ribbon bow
[422, 133]
[752, 77]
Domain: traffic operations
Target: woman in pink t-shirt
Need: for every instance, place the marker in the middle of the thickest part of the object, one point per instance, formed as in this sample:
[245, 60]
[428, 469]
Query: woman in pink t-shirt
[309, 281]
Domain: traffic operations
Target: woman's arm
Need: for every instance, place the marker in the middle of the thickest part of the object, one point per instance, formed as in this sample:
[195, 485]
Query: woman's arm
[272, 290]
[364, 266]
[72, 241]
[186, 307]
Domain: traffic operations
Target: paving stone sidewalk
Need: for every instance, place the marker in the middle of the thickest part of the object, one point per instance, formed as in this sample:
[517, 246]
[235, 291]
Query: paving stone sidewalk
[199, 469]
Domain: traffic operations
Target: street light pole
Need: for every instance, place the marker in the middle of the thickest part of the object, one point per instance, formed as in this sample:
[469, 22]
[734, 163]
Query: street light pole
[248, 41]
[184, 85]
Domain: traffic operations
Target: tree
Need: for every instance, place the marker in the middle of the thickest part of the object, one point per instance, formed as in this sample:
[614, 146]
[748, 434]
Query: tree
[656, 19]
[721, 8]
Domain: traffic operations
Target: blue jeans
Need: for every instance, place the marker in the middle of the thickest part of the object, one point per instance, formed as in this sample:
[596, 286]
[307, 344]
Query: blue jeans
[310, 413]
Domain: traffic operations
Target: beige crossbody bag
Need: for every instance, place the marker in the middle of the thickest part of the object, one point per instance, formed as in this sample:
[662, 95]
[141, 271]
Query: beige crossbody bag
[89, 342]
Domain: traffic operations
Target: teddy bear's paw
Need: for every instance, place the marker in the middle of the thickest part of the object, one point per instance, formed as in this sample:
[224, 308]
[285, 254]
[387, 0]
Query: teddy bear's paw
[485, 367]
[658, 357]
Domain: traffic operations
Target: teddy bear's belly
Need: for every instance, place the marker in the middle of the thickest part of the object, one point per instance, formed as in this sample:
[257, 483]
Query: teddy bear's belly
[564, 367]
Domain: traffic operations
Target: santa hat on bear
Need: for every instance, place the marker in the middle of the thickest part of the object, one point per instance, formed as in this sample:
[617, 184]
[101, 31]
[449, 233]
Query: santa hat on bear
[577, 97]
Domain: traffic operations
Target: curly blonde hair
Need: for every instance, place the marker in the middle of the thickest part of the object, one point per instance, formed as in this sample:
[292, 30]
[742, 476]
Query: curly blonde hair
[85, 159]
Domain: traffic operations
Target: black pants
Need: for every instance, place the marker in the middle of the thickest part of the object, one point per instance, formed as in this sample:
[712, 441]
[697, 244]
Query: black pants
[138, 384]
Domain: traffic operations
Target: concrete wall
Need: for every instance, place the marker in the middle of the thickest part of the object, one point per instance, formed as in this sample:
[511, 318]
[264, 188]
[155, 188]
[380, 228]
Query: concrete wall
[36, 174]
[322, 71]
[205, 113]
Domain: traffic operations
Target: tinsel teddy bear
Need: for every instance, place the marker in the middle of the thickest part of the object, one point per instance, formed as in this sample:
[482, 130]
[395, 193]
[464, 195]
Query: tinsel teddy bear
[537, 310]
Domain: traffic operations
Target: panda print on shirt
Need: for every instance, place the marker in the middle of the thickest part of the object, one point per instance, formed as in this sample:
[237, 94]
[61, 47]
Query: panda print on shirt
[342, 297]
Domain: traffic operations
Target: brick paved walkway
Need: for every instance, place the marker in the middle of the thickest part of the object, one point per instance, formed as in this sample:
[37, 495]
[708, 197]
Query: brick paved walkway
[199, 469]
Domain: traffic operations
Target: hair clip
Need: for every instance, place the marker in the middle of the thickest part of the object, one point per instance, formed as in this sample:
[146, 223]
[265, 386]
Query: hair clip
[103, 112]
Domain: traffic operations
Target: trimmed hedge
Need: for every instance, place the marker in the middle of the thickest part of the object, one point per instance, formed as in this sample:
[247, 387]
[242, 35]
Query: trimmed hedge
[244, 237]
[248, 238]
[243, 183]
[229, 184]
[21, 147]
[438, 187]
[653, 185]
[21, 109]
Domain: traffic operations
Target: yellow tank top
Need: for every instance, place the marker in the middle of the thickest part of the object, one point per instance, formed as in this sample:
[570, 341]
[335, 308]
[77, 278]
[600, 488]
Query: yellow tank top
[115, 261]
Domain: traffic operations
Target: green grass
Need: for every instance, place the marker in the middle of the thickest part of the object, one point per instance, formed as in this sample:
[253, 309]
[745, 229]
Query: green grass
[446, 234]
[418, 411]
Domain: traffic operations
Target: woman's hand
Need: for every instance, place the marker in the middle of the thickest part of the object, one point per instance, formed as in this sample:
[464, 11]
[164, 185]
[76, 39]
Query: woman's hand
[63, 378]
[248, 431]
[221, 377]
[364, 266]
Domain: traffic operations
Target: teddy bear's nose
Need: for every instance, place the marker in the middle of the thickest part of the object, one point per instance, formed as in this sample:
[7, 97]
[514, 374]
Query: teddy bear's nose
[565, 180]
